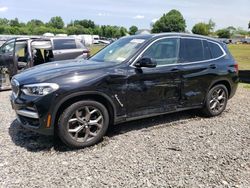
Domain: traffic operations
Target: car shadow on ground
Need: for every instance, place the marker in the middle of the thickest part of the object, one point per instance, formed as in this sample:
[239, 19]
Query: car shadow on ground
[35, 142]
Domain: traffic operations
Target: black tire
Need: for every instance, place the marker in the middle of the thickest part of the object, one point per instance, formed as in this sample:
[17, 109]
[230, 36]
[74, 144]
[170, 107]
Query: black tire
[207, 109]
[65, 120]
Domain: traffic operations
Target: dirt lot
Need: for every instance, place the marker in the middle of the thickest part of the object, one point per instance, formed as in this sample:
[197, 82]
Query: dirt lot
[176, 150]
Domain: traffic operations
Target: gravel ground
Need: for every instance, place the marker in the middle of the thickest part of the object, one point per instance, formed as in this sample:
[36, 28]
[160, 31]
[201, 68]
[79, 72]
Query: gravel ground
[176, 150]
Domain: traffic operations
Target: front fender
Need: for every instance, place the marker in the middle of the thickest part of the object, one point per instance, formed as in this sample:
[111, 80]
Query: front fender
[62, 101]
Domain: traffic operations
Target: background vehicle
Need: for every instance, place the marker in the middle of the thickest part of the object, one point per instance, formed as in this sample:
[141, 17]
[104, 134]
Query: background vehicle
[104, 41]
[68, 48]
[96, 39]
[87, 39]
[132, 78]
[18, 54]
[246, 41]
[226, 41]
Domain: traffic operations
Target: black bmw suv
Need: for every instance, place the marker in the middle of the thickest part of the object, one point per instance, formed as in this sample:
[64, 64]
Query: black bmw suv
[133, 78]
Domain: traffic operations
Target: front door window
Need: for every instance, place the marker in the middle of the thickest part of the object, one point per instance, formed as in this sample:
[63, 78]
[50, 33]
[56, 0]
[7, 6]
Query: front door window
[164, 51]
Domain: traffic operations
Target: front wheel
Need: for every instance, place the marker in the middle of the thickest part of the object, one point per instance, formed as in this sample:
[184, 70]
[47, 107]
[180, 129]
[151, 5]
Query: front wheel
[216, 101]
[83, 124]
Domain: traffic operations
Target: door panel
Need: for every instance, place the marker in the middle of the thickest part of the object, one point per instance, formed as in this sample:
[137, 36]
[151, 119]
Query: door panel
[7, 57]
[65, 49]
[65, 54]
[152, 90]
[8, 60]
[197, 70]
[155, 90]
[21, 55]
[196, 79]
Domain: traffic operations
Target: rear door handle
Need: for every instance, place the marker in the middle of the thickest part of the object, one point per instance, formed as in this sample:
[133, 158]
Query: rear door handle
[175, 70]
[212, 66]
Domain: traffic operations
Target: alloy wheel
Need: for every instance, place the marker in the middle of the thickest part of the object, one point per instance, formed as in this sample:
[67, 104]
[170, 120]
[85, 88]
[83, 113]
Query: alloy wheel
[85, 124]
[217, 100]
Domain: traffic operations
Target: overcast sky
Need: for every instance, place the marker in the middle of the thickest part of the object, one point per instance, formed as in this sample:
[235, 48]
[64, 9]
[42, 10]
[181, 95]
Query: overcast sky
[130, 12]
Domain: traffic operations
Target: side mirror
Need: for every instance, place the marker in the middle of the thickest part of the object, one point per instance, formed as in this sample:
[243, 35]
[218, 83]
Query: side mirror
[146, 62]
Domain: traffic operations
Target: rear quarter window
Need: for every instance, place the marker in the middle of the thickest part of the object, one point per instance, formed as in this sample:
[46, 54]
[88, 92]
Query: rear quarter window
[60, 44]
[215, 49]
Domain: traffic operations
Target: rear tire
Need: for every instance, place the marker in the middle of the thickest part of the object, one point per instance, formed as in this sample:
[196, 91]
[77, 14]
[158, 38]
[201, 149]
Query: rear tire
[216, 101]
[83, 124]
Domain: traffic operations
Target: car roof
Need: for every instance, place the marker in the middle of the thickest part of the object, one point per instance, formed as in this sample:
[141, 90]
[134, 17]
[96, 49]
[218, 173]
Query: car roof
[171, 34]
[56, 37]
[38, 38]
[27, 38]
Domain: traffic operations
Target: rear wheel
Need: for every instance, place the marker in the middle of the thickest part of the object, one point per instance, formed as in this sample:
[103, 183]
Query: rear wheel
[83, 124]
[216, 101]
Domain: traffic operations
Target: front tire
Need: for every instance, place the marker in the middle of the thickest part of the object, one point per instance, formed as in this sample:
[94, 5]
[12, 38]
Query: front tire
[216, 101]
[83, 124]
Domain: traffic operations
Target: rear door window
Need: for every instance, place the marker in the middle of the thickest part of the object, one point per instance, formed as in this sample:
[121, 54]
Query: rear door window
[215, 49]
[191, 50]
[61, 44]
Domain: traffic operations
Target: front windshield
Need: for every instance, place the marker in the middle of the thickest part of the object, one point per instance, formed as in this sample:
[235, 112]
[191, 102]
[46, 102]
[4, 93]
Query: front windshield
[118, 51]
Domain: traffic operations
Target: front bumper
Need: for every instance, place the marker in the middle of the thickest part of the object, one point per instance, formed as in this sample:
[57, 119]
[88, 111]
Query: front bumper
[32, 112]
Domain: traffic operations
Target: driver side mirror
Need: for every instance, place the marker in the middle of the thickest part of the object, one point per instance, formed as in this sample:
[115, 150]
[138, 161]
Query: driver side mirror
[146, 62]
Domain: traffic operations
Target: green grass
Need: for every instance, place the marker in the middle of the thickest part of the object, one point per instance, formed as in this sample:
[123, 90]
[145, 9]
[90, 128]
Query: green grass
[95, 48]
[246, 86]
[241, 53]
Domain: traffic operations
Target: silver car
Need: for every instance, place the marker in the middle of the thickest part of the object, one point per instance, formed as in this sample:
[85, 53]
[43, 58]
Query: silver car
[68, 48]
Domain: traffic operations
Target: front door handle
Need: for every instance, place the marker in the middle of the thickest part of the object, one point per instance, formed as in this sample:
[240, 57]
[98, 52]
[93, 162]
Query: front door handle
[212, 66]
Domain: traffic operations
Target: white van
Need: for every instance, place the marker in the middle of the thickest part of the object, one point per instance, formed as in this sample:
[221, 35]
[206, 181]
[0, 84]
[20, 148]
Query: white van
[87, 39]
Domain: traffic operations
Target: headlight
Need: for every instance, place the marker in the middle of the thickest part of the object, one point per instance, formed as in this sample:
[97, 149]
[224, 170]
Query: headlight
[39, 89]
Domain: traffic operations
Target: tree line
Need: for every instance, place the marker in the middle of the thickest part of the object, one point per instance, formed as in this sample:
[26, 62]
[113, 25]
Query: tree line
[56, 25]
[173, 21]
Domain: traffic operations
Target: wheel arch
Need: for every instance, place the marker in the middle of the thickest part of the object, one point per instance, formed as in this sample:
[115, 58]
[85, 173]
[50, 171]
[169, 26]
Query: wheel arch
[224, 82]
[96, 96]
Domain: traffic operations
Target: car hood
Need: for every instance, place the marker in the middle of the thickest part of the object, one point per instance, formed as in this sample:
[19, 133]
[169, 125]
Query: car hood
[53, 70]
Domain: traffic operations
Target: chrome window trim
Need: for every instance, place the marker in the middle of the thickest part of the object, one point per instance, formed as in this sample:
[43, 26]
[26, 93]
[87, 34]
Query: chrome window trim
[188, 63]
